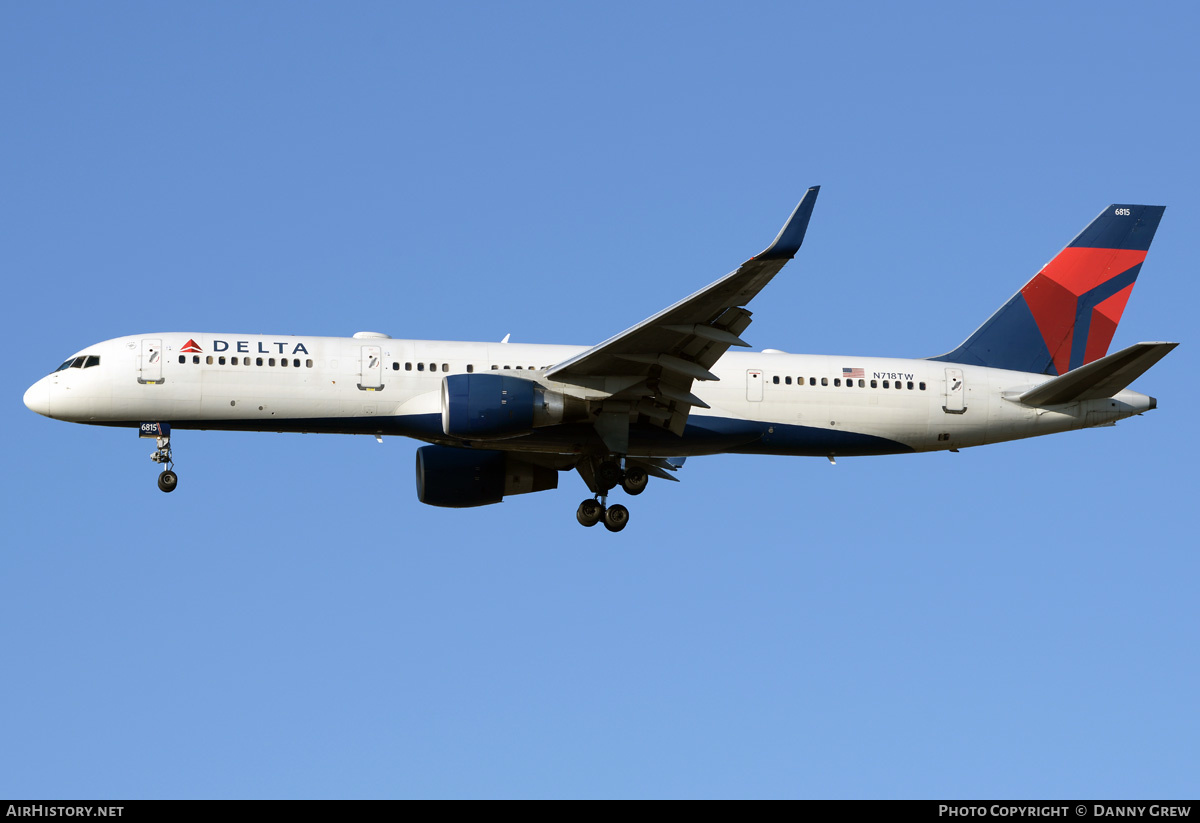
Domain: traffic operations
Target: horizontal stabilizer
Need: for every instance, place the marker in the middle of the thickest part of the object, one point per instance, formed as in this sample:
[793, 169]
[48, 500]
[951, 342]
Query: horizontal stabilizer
[1100, 378]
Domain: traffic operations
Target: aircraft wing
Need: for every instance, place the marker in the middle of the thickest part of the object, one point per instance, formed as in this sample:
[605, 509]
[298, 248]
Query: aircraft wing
[648, 369]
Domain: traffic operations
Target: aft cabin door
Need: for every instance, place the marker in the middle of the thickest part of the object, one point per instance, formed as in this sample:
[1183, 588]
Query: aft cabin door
[150, 363]
[956, 392]
[372, 369]
[754, 385]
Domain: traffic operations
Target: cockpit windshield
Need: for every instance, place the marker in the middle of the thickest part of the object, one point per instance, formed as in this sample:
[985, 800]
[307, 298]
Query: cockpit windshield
[81, 362]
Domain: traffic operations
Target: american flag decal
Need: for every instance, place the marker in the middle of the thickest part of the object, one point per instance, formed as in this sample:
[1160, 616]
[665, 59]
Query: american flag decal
[852, 372]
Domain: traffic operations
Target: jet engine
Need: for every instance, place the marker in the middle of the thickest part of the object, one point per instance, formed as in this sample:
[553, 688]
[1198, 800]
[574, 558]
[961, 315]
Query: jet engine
[496, 406]
[461, 478]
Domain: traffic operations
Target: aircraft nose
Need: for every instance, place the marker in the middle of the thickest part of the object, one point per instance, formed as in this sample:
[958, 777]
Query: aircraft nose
[37, 398]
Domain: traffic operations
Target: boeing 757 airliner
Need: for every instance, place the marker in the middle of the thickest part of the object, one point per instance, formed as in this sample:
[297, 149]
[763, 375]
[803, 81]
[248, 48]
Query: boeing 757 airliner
[505, 418]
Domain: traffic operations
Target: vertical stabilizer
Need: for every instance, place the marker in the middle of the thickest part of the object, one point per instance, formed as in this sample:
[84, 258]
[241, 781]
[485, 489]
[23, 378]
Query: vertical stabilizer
[1067, 314]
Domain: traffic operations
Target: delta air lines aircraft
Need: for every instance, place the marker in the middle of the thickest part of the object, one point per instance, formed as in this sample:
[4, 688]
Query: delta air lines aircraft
[505, 418]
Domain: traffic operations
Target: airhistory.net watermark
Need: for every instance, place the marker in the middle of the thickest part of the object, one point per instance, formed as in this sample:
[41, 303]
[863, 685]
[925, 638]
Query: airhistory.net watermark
[42, 810]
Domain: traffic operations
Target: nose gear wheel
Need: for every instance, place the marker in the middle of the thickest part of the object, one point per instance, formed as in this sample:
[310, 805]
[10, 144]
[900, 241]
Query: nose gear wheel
[167, 479]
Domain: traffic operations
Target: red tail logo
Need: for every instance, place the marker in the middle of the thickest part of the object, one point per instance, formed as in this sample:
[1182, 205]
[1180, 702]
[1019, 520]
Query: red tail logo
[190, 345]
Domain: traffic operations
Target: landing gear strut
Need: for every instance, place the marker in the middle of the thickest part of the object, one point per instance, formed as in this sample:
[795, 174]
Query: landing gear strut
[167, 480]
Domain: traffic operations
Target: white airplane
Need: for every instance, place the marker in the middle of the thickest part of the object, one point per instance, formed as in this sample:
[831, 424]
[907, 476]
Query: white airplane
[506, 418]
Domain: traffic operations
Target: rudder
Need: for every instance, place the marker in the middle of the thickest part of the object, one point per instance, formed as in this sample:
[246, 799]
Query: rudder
[1066, 316]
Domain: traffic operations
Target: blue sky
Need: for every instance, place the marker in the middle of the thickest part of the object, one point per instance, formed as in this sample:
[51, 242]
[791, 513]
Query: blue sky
[1012, 621]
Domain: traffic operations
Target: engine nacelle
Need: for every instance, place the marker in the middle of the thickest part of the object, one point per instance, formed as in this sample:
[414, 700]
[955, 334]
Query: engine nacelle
[481, 406]
[460, 478]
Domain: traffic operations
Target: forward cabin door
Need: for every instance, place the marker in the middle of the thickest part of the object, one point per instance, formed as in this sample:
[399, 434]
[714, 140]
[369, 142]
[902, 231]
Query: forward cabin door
[754, 385]
[372, 369]
[956, 392]
[150, 363]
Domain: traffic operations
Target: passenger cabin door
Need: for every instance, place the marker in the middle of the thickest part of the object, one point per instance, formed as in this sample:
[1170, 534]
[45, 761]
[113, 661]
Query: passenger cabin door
[150, 362]
[754, 385]
[956, 392]
[372, 369]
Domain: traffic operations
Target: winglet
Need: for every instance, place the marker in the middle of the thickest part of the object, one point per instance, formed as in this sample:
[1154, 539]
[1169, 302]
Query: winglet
[788, 241]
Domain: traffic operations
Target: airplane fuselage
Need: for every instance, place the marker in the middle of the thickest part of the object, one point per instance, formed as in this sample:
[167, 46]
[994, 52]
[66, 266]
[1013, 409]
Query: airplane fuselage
[763, 402]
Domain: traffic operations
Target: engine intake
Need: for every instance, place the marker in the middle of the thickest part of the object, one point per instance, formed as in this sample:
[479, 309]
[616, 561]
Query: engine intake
[461, 478]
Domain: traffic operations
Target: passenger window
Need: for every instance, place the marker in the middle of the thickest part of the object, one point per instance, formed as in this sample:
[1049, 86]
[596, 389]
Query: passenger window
[824, 381]
[886, 384]
[519, 368]
[221, 360]
[898, 385]
[837, 381]
[921, 386]
[433, 366]
[494, 367]
[470, 369]
[874, 384]
[408, 366]
[812, 381]
[182, 359]
[420, 367]
[445, 367]
[271, 361]
[296, 363]
[507, 367]
[308, 364]
[395, 367]
[775, 380]
[283, 362]
[799, 381]
[258, 361]
[862, 384]
[208, 360]
[196, 359]
[787, 381]
[246, 361]
[910, 385]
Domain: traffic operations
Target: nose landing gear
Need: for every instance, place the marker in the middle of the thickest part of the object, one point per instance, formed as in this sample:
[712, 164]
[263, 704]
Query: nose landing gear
[167, 479]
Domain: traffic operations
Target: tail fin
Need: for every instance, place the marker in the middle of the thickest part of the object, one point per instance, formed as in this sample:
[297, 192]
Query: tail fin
[1067, 314]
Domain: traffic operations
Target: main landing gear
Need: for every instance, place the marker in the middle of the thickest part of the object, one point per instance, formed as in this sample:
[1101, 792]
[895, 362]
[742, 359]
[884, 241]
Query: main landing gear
[593, 510]
[167, 480]
[606, 476]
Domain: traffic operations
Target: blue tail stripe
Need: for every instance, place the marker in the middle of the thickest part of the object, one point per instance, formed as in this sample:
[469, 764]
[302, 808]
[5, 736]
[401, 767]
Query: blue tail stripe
[1089, 301]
